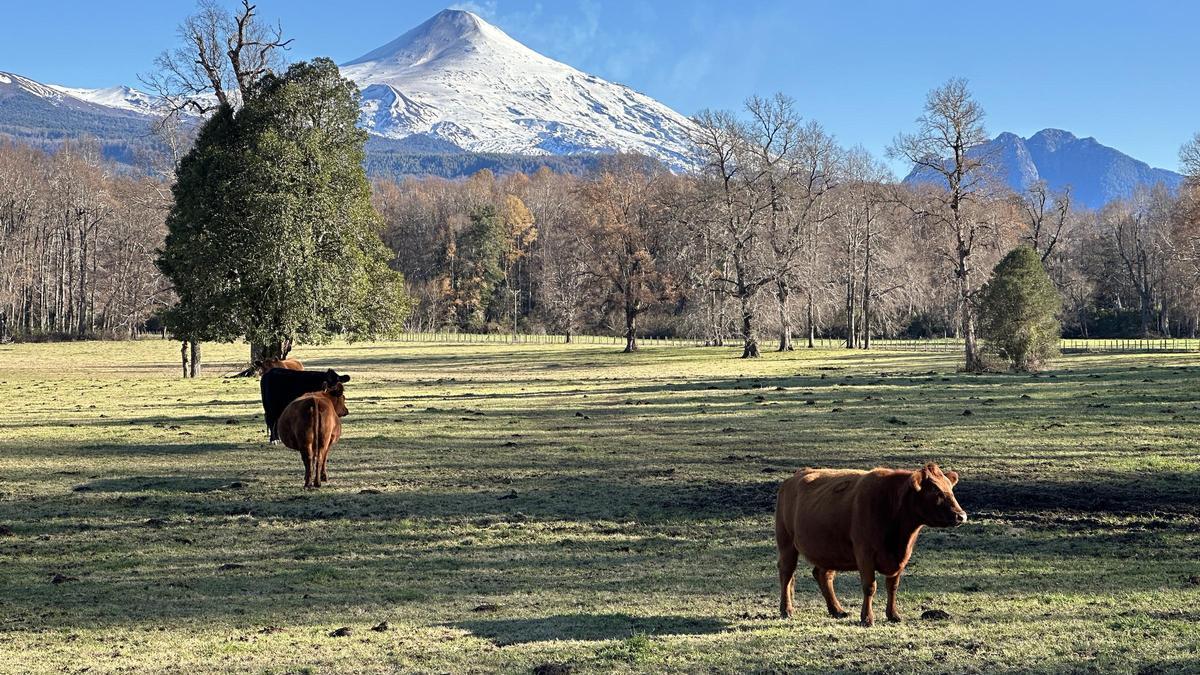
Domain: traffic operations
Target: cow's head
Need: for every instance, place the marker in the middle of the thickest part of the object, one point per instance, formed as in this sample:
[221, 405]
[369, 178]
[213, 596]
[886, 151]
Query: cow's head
[337, 395]
[336, 392]
[263, 365]
[933, 494]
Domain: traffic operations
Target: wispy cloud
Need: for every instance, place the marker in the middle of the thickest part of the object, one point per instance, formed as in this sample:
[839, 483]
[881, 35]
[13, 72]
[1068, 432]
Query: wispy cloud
[484, 8]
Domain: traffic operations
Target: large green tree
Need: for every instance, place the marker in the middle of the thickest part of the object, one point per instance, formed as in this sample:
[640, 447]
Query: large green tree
[272, 237]
[1019, 311]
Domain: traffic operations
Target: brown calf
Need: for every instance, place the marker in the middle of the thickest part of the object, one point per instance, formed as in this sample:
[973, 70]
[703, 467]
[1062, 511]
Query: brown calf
[264, 365]
[843, 520]
[312, 424]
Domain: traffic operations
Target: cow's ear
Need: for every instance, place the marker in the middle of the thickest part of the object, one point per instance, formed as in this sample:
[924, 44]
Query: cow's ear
[917, 478]
[952, 476]
[344, 378]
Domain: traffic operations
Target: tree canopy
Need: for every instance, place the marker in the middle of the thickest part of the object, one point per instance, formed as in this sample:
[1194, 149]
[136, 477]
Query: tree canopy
[272, 236]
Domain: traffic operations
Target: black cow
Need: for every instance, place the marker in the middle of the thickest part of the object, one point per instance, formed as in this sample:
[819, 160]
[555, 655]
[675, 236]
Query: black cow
[280, 386]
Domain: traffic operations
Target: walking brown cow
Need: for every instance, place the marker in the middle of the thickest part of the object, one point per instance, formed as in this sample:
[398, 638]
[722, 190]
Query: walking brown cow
[312, 424]
[842, 520]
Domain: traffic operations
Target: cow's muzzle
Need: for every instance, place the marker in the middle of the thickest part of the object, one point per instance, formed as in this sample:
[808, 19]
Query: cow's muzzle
[960, 517]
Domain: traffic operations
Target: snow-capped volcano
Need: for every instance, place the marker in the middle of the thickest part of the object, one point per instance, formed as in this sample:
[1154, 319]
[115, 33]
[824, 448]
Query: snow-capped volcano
[459, 79]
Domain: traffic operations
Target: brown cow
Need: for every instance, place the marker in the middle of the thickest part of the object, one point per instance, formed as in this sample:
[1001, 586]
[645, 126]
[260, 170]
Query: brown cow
[842, 520]
[312, 424]
[263, 365]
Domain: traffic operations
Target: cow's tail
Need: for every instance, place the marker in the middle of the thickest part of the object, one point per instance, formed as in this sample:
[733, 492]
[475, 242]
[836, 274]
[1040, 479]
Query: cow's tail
[314, 443]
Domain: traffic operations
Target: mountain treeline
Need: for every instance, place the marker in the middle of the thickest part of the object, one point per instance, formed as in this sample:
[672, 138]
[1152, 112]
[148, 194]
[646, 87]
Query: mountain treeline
[782, 237]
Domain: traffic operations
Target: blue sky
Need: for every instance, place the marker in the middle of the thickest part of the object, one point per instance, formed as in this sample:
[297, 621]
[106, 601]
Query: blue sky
[1127, 73]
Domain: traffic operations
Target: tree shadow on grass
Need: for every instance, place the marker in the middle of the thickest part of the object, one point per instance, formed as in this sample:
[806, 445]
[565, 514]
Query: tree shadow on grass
[159, 484]
[591, 627]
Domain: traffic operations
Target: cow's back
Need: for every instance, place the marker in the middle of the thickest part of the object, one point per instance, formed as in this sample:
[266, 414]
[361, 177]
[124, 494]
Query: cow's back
[816, 510]
[296, 422]
[280, 386]
[308, 413]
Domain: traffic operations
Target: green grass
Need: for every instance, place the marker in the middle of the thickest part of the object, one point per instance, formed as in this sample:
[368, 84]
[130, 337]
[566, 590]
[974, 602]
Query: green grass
[503, 507]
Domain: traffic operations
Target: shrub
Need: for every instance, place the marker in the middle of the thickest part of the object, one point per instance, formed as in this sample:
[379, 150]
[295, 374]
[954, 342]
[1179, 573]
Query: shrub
[1019, 311]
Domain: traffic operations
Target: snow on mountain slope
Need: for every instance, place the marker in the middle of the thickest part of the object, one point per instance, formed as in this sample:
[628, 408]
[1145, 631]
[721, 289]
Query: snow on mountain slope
[120, 97]
[460, 79]
[16, 83]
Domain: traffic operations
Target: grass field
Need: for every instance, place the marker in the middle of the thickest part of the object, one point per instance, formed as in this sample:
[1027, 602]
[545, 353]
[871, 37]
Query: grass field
[507, 507]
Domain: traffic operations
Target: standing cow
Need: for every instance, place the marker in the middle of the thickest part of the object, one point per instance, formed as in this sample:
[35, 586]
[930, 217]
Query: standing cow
[843, 520]
[312, 424]
[280, 386]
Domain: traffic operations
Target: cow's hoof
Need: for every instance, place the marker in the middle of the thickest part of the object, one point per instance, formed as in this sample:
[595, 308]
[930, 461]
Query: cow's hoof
[839, 615]
[785, 613]
[867, 623]
[895, 618]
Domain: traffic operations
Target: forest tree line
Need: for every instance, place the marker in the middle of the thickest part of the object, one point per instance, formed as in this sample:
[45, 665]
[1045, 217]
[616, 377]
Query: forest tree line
[783, 235]
[78, 239]
[780, 236]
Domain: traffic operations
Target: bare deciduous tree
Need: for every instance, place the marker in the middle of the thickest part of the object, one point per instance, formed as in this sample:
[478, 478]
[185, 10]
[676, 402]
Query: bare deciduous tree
[624, 241]
[220, 59]
[945, 148]
[1046, 215]
[732, 190]
[1189, 157]
[795, 161]
[863, 199]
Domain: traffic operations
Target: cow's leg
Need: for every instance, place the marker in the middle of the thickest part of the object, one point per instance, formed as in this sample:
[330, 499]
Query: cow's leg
[893, 584]
[867, 572]
[324, 459]
[824, 579]
[308, 468]
[788, 557]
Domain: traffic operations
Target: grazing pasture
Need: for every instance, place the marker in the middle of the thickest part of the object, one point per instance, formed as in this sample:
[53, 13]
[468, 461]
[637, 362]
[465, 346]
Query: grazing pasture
[499, 507]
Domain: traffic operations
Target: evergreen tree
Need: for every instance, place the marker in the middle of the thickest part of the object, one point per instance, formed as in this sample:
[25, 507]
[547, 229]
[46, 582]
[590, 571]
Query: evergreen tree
[479, 272]
[272, 236]
[1019, 311]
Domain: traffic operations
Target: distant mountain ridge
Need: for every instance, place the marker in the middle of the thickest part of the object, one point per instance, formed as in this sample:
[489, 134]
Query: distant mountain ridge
[456, 93]
[44, 116]
[1096, 173]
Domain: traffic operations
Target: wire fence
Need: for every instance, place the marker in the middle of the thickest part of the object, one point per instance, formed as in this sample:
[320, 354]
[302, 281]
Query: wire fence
[1066, 345]
[551, 339]
[935, 345]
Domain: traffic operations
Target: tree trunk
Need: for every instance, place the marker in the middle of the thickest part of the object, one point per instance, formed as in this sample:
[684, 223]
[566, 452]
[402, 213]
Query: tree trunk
[274, 350]
[195, 370]
[972, 362]
[812, 322]
[631, 344]
[851, 327]
[866, 309]
[183, 355]
[782, 292]
[971, 347]
[751, 349]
